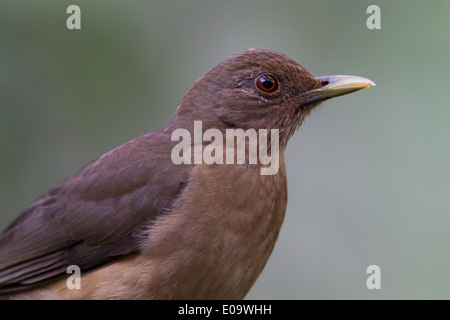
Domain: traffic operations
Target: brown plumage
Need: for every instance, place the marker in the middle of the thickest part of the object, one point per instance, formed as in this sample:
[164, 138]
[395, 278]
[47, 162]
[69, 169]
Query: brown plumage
[141, 227]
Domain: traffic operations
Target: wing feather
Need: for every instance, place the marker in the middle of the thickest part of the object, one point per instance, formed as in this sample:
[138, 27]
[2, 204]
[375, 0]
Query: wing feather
[94, 217]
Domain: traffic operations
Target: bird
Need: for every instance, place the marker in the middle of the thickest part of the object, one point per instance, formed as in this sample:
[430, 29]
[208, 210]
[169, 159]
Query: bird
[140, 223]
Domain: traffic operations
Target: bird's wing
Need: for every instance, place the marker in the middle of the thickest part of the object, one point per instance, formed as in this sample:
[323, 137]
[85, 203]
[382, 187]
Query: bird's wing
[94, 217]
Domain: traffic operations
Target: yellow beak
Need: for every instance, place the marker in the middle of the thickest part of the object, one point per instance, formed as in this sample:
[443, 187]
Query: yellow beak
[334, 86]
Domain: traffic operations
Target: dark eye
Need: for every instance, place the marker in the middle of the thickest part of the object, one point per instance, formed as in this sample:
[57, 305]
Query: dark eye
[267, 83]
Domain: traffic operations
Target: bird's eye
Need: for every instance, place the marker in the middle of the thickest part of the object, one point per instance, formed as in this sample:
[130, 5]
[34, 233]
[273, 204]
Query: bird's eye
[267, 83]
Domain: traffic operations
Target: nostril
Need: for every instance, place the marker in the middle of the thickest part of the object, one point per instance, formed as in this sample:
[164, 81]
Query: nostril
[325, 83]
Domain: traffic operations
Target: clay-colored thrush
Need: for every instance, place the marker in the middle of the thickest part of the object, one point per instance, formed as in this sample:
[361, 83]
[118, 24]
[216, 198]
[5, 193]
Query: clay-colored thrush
[141, 226]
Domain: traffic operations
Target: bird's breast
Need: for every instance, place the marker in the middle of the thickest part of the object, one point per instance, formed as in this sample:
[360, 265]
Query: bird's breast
[219, 235]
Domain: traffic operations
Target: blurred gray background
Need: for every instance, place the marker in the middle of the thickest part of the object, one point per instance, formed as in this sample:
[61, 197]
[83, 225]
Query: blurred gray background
[368, 173]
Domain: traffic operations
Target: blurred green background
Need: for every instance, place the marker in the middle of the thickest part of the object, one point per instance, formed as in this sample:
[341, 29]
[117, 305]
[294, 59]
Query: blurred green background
[368, 173]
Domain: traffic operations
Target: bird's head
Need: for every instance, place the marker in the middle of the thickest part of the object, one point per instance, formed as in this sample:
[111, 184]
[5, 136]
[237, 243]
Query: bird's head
[261, 89]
